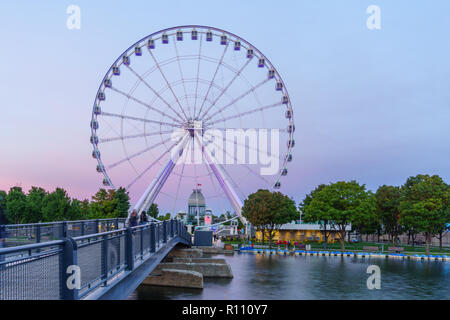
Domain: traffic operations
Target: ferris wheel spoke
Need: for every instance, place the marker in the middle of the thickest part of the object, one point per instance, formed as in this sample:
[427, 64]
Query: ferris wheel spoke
[247, 112]
[226, 88]
[108, 114]
[198, 73]
[151, 165]
[245, 165]
[182, 77]
[247, 146]
[252, 89]
[134, 136]
[115, 164]
[213, 78]
[168, 84]
[148, 105]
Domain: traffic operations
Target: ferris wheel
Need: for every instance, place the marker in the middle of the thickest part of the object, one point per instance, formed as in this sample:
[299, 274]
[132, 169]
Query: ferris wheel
[184, 89]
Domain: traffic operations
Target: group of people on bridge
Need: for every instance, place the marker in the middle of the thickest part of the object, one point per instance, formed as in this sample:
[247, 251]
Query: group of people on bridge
[134, 219]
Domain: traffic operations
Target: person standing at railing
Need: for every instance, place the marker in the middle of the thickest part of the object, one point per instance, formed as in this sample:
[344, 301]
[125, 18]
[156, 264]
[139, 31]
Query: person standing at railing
[133, 219]
[143, 218]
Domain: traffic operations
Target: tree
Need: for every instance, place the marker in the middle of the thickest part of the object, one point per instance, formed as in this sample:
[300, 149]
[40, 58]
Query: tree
[167, 216]
[110, 204]
[312, 216]
[342, 203]
[33, 212]
[122, 199]
[16, 203]
[388, 201]
[3, 219]
[267, 211]
[56, 206]
[424, 205]
[153, 211]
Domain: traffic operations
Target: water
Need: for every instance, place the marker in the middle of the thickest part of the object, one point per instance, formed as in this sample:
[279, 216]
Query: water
[262, 277]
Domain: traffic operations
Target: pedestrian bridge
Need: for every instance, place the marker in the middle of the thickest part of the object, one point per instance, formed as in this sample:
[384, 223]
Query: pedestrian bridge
[108, 263]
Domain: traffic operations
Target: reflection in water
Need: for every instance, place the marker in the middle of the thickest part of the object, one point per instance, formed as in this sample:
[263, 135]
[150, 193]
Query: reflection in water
[299, 277]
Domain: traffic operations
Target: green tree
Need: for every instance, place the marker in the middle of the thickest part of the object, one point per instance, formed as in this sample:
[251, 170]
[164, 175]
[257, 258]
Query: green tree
[167, 216]
[342, 203]
[153, 211]
[3, 219]
[56, 206]
[388, 201]
[424, 205]
[110, 204]
[16, 204]
[312, 216]
[122, 201]
[33, 210]
[268, 211]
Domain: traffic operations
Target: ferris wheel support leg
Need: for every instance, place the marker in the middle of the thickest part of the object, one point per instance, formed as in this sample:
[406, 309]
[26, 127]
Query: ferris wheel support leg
[153, 189]
[223, 182]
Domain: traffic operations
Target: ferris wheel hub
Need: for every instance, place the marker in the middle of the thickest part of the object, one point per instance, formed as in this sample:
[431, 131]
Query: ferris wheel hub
[194, 125]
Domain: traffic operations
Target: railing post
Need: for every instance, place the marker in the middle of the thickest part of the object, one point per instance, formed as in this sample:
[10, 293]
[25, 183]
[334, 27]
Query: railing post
[38, 233]
[164, 231]
[96, 229]
[82, 228]
[104, 260]
[172, 228]
[116, 224]
[152, 238]
[64, 229]
[69, 275]
[142, 243]
[129, 248]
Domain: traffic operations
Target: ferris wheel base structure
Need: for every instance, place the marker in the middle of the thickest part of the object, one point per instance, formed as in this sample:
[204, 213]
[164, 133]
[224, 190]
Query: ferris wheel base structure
[153, 189]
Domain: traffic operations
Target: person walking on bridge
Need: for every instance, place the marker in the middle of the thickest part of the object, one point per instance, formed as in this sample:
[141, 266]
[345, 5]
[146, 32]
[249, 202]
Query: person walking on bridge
[133, 222]
[143, 218]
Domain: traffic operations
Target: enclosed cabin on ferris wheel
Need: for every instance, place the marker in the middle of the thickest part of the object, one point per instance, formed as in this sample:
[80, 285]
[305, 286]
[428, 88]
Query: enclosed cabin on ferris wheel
[261, 63]
[237, 45]
[223, 39]
[250, 53]
[194, 35]
[107, 83]
[165, 38]
[138, 51]
[209, 35]
[179, 35]
[271, 74]
[96, 154]
[151, 44]
[277, 185]
[126, 60]
[116, 71]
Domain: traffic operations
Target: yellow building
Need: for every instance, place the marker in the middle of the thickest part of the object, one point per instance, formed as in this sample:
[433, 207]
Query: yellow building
[301, 232]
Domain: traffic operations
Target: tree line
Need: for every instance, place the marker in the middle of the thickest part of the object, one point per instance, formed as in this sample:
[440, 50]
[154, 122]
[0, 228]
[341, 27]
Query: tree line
[420, 206]
[39, 205]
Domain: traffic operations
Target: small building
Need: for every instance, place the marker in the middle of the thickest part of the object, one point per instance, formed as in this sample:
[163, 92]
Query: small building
[302, 232]
[196, 203]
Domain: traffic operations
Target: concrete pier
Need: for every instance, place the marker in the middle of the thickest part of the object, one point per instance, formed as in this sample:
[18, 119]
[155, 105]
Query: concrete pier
[207, 269]
[175, 278]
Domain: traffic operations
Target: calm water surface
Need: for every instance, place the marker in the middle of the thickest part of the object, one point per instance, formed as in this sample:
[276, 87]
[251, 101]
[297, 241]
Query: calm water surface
[314, 277]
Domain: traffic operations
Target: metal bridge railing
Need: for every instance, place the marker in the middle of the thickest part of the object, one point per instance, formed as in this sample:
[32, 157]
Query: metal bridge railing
[46, 270]
[21, 234]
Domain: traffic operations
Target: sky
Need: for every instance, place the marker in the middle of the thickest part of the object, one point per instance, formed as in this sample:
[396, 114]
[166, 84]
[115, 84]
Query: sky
[370, 105]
